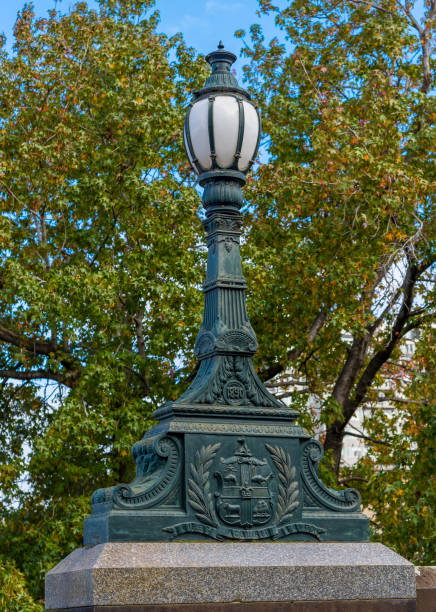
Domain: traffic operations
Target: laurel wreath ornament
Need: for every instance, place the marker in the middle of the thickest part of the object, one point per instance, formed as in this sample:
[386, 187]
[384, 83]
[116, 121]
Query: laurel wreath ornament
[288, 485]
[199, 494]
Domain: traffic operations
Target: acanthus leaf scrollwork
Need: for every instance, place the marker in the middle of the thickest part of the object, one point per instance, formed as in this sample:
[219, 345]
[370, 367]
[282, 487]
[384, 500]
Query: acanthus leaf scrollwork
[158, 471]
[324, 497]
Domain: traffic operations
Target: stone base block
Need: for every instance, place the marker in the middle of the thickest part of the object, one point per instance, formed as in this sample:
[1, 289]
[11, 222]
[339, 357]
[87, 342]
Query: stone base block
[230, 577]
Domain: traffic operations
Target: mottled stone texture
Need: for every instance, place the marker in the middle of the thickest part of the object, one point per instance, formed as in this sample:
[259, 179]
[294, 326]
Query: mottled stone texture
[127, 574]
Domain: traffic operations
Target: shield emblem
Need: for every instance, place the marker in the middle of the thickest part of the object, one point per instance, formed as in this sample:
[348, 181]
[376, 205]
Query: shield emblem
[243, 496]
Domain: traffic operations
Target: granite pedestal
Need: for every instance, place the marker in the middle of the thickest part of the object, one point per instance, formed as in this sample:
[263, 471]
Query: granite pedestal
[270, 576]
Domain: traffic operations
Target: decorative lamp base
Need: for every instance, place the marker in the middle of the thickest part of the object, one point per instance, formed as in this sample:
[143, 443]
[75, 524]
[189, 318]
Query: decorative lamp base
[248, 477]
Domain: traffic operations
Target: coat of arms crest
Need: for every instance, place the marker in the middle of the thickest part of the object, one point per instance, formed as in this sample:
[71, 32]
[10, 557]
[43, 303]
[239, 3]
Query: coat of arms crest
[243, 496]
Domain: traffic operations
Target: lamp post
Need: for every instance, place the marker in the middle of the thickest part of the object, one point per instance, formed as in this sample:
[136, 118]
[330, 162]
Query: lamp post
[226, 460]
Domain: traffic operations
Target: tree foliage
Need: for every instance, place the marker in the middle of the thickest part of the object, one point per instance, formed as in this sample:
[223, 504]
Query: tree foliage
[342, 232]
[401, 489]
[99, 265]
[13, 593]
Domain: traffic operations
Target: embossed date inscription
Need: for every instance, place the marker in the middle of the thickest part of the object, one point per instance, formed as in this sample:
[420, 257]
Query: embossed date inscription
[234, 392]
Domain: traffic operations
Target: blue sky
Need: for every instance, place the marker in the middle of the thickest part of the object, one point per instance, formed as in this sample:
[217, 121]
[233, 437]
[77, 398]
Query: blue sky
[203, 23]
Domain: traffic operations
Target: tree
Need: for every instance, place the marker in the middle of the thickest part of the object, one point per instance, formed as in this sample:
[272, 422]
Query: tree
[401, 484]
[345, 203]
[99, 266]
[13, 594]
[342, 237]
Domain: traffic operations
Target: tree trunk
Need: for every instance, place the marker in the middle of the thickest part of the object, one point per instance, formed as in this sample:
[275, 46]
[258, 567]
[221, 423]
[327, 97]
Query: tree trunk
[333, 441]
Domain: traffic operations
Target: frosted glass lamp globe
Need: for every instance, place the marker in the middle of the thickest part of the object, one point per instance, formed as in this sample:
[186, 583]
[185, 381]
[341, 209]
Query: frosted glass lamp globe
[222, 126]
[222, 132]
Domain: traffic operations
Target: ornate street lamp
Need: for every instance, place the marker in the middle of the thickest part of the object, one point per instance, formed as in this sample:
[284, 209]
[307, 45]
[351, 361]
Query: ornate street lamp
[226, 459]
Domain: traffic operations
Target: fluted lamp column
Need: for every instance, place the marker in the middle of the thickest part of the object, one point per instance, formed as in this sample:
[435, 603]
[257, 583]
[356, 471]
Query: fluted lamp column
[221, 136]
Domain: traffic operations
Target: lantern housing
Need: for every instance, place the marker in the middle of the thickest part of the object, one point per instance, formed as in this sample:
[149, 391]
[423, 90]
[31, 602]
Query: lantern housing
[222, 126]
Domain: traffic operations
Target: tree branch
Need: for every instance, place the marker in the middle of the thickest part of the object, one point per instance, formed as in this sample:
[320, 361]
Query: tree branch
[33, 375]
[371, 5]
[350, 369]
[408, 11]
[292, 355]
[138, 319]
[38, 347]
[351, 478]
[398, 400]
[141, 377]
[290, 393]
[286, 383]
[381, 356]
[363, 437]
[371, 328]
[45, 348]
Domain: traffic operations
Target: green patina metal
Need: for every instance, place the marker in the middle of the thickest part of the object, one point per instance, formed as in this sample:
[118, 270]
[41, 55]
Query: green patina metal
[226, 460]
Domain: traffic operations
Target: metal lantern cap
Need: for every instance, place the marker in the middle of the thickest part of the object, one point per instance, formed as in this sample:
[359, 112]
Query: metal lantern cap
[222, 126]
[221, 77]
